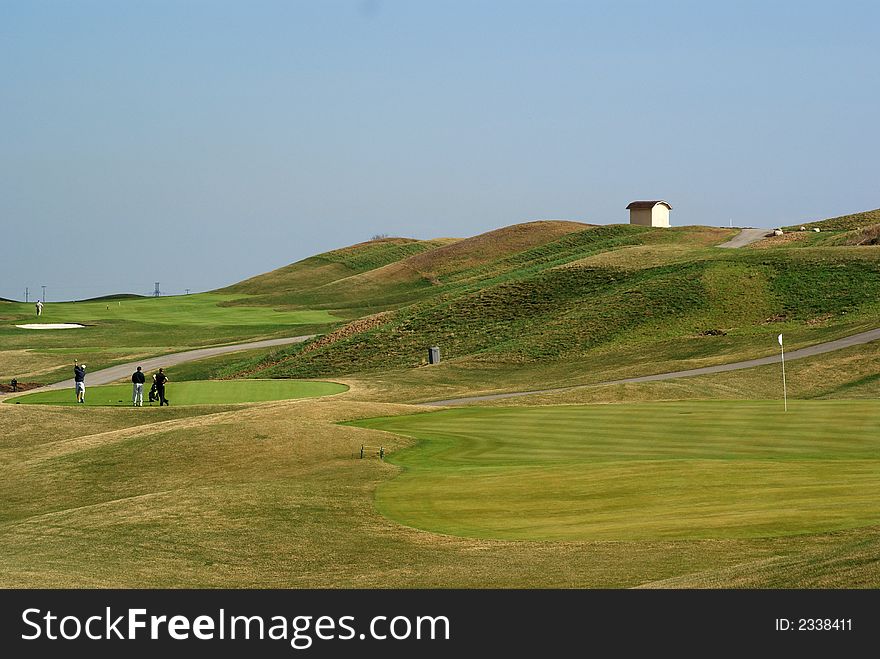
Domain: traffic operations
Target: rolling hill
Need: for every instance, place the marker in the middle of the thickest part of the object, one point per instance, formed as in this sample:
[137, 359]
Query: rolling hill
[843, 222]
[544, 302]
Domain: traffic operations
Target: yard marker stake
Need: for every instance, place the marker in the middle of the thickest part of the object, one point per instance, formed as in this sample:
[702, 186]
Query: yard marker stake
[784, 391]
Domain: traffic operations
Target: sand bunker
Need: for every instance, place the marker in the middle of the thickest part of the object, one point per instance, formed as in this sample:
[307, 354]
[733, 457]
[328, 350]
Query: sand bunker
[50, 326]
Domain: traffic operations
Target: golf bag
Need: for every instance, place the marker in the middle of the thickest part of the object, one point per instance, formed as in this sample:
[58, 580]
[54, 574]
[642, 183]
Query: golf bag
[154, 396]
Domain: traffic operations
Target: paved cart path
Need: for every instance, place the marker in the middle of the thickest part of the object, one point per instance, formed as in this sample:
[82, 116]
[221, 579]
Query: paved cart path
[745, 237]
[114, 373]
[809, 351]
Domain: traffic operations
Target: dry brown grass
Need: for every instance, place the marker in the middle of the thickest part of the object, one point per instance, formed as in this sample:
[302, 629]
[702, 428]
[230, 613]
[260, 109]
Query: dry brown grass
[455, 256]
[848, 373]
[491, 246]
[271, 495]
[350, 249]
[827, 561]
[33, 366]
[779, 241]
[300, 275]
[28, 364]
[869, 235]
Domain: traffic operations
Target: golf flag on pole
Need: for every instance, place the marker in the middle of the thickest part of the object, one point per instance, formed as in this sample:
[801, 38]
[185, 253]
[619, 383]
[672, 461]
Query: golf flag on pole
[784, 390]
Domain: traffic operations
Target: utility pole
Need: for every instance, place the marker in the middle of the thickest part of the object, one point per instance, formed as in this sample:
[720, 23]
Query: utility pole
[44, 295]
[156, 292]
[26, 291]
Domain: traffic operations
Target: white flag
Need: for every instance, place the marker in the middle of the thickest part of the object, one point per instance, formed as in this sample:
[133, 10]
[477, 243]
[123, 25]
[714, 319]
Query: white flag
[780, 339]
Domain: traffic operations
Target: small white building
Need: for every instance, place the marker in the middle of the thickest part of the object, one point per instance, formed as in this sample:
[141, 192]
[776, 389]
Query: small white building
[649, 213]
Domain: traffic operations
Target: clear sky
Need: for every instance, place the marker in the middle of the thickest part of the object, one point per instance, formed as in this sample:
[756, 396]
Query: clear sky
[198, 142]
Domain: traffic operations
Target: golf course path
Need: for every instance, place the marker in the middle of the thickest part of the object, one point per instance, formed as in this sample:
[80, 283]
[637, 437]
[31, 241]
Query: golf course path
[809, 351]
[114, 373]
[745, 237]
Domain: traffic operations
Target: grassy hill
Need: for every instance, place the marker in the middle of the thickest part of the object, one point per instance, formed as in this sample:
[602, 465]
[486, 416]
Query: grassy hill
[843, 222]
[538, 302]
[332, 266]
[532, 305]
[392, 272]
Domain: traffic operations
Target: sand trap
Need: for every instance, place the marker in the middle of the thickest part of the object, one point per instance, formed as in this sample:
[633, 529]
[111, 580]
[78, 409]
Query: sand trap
[50, 326]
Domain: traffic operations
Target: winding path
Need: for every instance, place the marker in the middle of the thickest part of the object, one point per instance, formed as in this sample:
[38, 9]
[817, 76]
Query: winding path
[745, 237]
[114, 373]
[809, 351]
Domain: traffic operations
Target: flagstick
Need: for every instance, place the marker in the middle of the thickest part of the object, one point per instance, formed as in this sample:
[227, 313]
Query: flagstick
[784, 391]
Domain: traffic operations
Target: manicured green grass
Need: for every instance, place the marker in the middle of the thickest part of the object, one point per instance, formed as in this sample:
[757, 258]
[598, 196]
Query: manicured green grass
[206, 309]
[202, 392]
[127, 329]
[708, 469]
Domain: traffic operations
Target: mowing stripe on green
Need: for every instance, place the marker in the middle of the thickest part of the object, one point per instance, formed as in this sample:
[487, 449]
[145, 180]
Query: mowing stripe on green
[709, 469]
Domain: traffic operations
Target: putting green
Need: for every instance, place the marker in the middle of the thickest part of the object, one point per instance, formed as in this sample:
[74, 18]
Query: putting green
[714, 469]
[202, 392]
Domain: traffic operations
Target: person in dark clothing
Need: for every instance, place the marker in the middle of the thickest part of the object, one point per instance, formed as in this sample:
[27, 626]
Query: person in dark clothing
[137, 388]
[79, 380]
[161, 379]
[14, 384]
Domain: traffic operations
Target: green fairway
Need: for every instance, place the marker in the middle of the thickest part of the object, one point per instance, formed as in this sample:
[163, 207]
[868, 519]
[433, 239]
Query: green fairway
[708, 469]
[131, 328]
[203, 392]
[199, 309]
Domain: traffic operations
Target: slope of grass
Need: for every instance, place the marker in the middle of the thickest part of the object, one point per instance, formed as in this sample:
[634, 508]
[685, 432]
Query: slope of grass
[431, 271]
[332, 266]
[637, 472]
[470, 253]
[843, 222]
[566, 313]
[377, 253]
[221, 367]
[866, 236]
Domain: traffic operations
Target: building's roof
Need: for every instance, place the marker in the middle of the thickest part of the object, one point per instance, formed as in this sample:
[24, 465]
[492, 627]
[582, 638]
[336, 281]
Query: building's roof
[648, 204]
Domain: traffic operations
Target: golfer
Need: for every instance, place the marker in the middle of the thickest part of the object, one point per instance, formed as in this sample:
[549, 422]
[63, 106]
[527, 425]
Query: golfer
[39, 306]
[137, 388]
[161, 379]
[79, 379]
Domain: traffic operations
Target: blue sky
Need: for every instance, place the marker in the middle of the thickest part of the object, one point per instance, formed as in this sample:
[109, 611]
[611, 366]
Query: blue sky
[198, 142]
